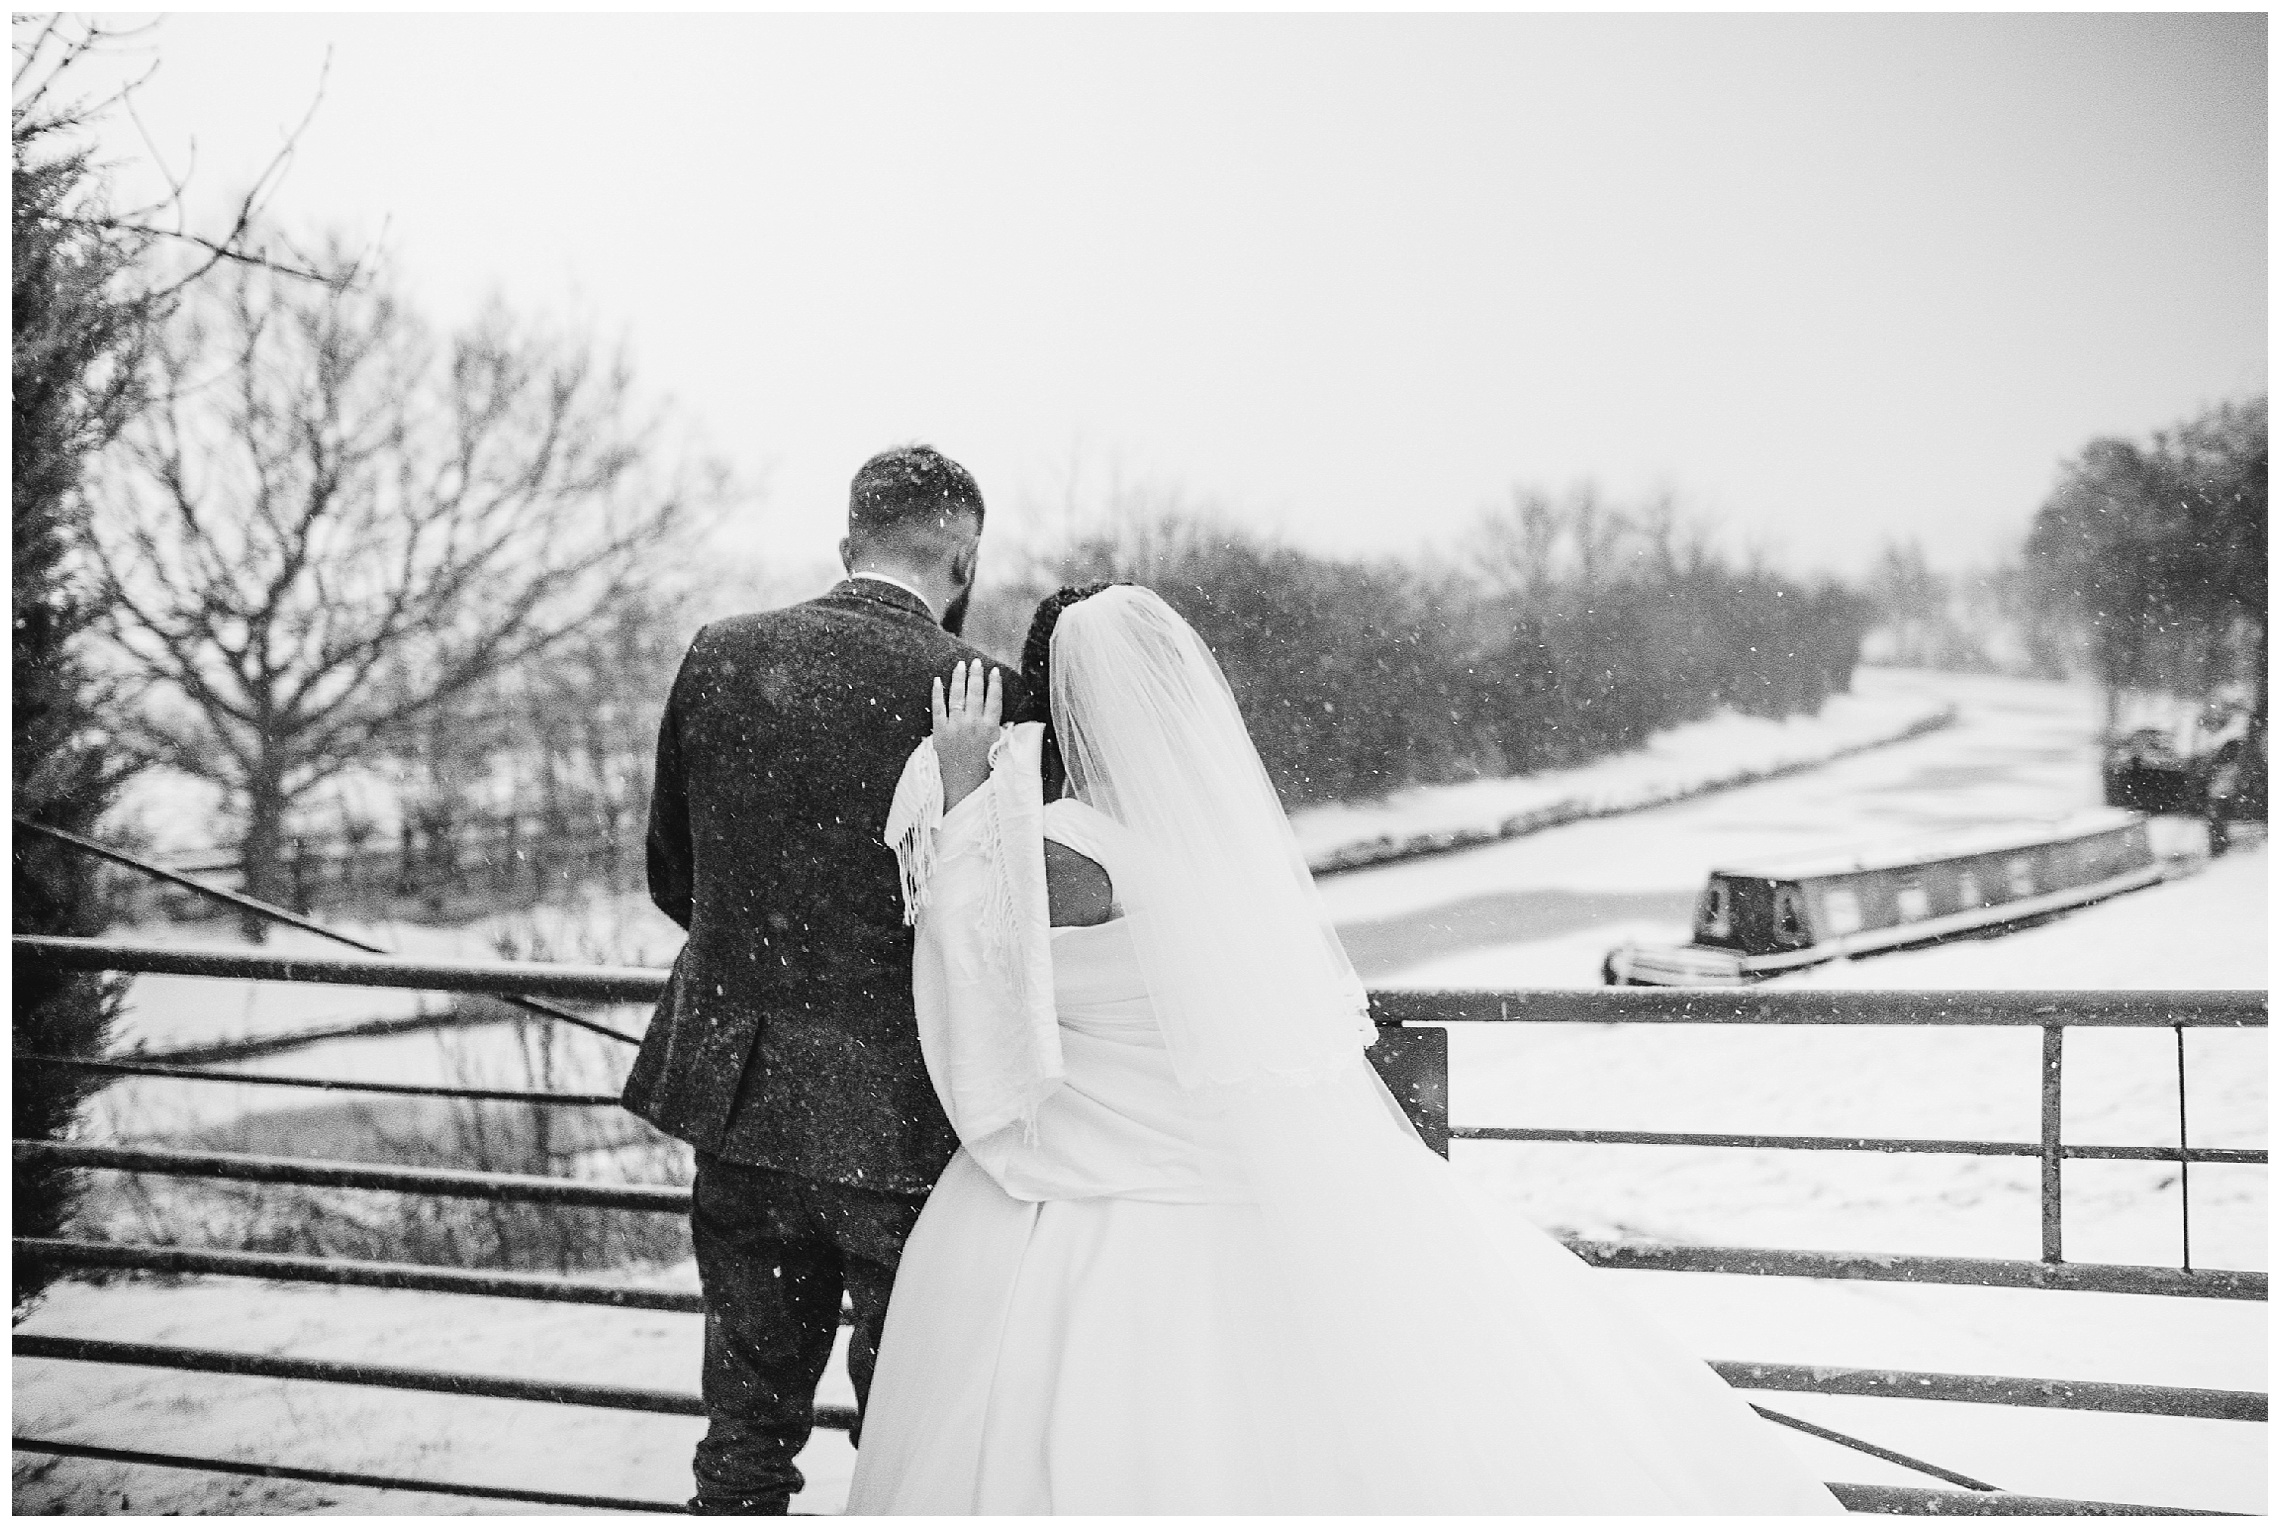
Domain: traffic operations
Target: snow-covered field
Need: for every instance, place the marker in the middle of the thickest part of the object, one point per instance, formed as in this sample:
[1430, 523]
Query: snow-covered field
[165, 1012]
[1534, 911]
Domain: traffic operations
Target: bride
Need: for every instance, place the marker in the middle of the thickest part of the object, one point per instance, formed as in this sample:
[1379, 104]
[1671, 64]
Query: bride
[1192, 1257]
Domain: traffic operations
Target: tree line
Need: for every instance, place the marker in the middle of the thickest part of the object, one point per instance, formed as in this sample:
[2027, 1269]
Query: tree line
[2155, 554]
[2143, 569]
[1564, 629]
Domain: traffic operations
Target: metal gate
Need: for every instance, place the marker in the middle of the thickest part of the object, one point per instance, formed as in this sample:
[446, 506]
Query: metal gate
[1416, 1063]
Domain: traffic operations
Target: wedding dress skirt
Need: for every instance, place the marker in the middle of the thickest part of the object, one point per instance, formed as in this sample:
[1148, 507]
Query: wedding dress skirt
[1088, 1318]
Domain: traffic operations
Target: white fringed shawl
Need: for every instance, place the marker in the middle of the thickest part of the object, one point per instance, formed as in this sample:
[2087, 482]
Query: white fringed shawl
[973, 884]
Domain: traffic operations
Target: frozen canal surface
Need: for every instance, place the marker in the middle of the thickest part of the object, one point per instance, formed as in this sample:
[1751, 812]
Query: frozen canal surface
[1549, 905]
[1537, 911]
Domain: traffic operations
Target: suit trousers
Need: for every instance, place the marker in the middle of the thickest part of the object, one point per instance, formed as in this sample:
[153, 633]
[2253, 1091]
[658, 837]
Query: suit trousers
[774, 1254]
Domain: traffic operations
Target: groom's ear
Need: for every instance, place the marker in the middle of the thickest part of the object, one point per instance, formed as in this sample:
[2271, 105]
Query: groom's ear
[962, 563]
[846, 559]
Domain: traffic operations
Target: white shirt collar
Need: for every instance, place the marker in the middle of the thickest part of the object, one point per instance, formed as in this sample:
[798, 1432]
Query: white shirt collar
[889, 578]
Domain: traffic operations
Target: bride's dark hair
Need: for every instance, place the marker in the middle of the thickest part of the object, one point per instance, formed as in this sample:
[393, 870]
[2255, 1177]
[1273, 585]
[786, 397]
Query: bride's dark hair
[1037, 674]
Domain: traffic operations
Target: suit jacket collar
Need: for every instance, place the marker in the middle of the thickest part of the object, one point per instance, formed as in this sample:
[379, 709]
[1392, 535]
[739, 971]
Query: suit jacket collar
[879, 593]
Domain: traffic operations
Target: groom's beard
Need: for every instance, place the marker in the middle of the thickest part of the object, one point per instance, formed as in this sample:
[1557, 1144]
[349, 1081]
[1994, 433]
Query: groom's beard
[954, 618]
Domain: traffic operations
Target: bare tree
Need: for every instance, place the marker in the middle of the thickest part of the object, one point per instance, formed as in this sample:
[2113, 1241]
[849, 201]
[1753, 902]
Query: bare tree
[1516, 547]
[50, 51]
[1531, 545]
[1600, 533]
[331, 521]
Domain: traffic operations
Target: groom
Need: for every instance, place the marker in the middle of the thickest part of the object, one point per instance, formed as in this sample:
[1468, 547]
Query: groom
[785, 1049]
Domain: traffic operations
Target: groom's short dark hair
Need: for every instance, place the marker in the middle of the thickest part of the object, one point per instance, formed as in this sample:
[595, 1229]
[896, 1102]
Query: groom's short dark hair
[908, 490]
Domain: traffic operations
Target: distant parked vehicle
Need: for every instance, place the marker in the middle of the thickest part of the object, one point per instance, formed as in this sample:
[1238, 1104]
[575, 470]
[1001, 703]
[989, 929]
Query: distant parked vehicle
[2205, 764]
[2225, 785]
[1756, 921]
[2145, 772]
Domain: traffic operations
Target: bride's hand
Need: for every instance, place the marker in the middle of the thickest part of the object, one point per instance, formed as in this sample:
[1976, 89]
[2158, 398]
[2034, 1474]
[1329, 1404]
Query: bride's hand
[966, 717]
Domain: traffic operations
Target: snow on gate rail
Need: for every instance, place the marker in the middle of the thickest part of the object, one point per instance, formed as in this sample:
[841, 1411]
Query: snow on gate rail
[1418, 1070]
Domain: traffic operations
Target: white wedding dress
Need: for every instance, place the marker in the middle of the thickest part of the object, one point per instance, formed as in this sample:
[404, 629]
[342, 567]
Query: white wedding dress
[1138, 1291]
[1081, 1325]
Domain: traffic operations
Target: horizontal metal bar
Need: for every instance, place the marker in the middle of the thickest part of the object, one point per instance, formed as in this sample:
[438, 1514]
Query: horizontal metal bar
[2241, 1156]
[339, 1477]
[1824, 1379]
[58, 1253]
[388, 1376]
[2235, 1156]
[1996, 1390]
[283, 1042]
[202, 1360]
[2111, 1278]
[449, 1183]
[1873, 1450]
[1722, 1138]
[1911, 1268]
[1614, 1005]
[176, 877]
[1858, 1498]
[504, 978]
[1922, 1501]
[151, 1355]
[330, 1084]
[2234, 1009]
[276, 914]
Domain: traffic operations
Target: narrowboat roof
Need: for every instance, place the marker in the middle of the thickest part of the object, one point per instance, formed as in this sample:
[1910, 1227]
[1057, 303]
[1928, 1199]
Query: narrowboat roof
[1892, 854]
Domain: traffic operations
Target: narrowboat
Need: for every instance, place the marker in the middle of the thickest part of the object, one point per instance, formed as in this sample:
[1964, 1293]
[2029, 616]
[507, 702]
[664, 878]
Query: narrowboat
[1759, 920]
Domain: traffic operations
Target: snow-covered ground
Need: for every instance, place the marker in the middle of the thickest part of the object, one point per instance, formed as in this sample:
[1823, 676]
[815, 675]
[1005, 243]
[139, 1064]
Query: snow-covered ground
[1534, 911]
[1722, 751]
[1958, 1083]
[1543, 911]
[165, 1012]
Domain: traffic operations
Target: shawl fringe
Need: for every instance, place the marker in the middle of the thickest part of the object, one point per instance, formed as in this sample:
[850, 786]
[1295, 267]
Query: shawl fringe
[914, 823]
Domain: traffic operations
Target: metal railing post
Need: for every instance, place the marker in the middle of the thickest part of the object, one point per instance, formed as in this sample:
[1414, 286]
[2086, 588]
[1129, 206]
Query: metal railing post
[1414, 1063]
[2184, 1162]
[2053, 1051]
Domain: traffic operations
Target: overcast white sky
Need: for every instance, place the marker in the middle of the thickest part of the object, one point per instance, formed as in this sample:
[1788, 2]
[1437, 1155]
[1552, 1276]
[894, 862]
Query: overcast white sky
[1831, 279]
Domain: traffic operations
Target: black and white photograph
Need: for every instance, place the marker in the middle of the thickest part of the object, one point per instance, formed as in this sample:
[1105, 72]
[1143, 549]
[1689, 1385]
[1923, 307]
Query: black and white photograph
[1140, 763]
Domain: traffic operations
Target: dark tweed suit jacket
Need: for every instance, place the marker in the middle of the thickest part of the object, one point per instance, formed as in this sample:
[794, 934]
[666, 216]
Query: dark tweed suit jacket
[786, 1038]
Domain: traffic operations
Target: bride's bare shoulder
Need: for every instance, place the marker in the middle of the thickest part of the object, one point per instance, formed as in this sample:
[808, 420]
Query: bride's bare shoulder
[1078, 892]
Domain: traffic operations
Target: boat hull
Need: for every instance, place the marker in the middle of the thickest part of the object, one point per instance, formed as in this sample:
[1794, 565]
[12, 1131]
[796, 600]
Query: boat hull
[1752, 925]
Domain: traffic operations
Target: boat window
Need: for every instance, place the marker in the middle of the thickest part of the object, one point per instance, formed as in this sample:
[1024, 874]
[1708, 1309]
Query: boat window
[1967, 893]
[1716, 915]
[2022, 875]
[1841, 911]
[1789, 916]
[1914, 904]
